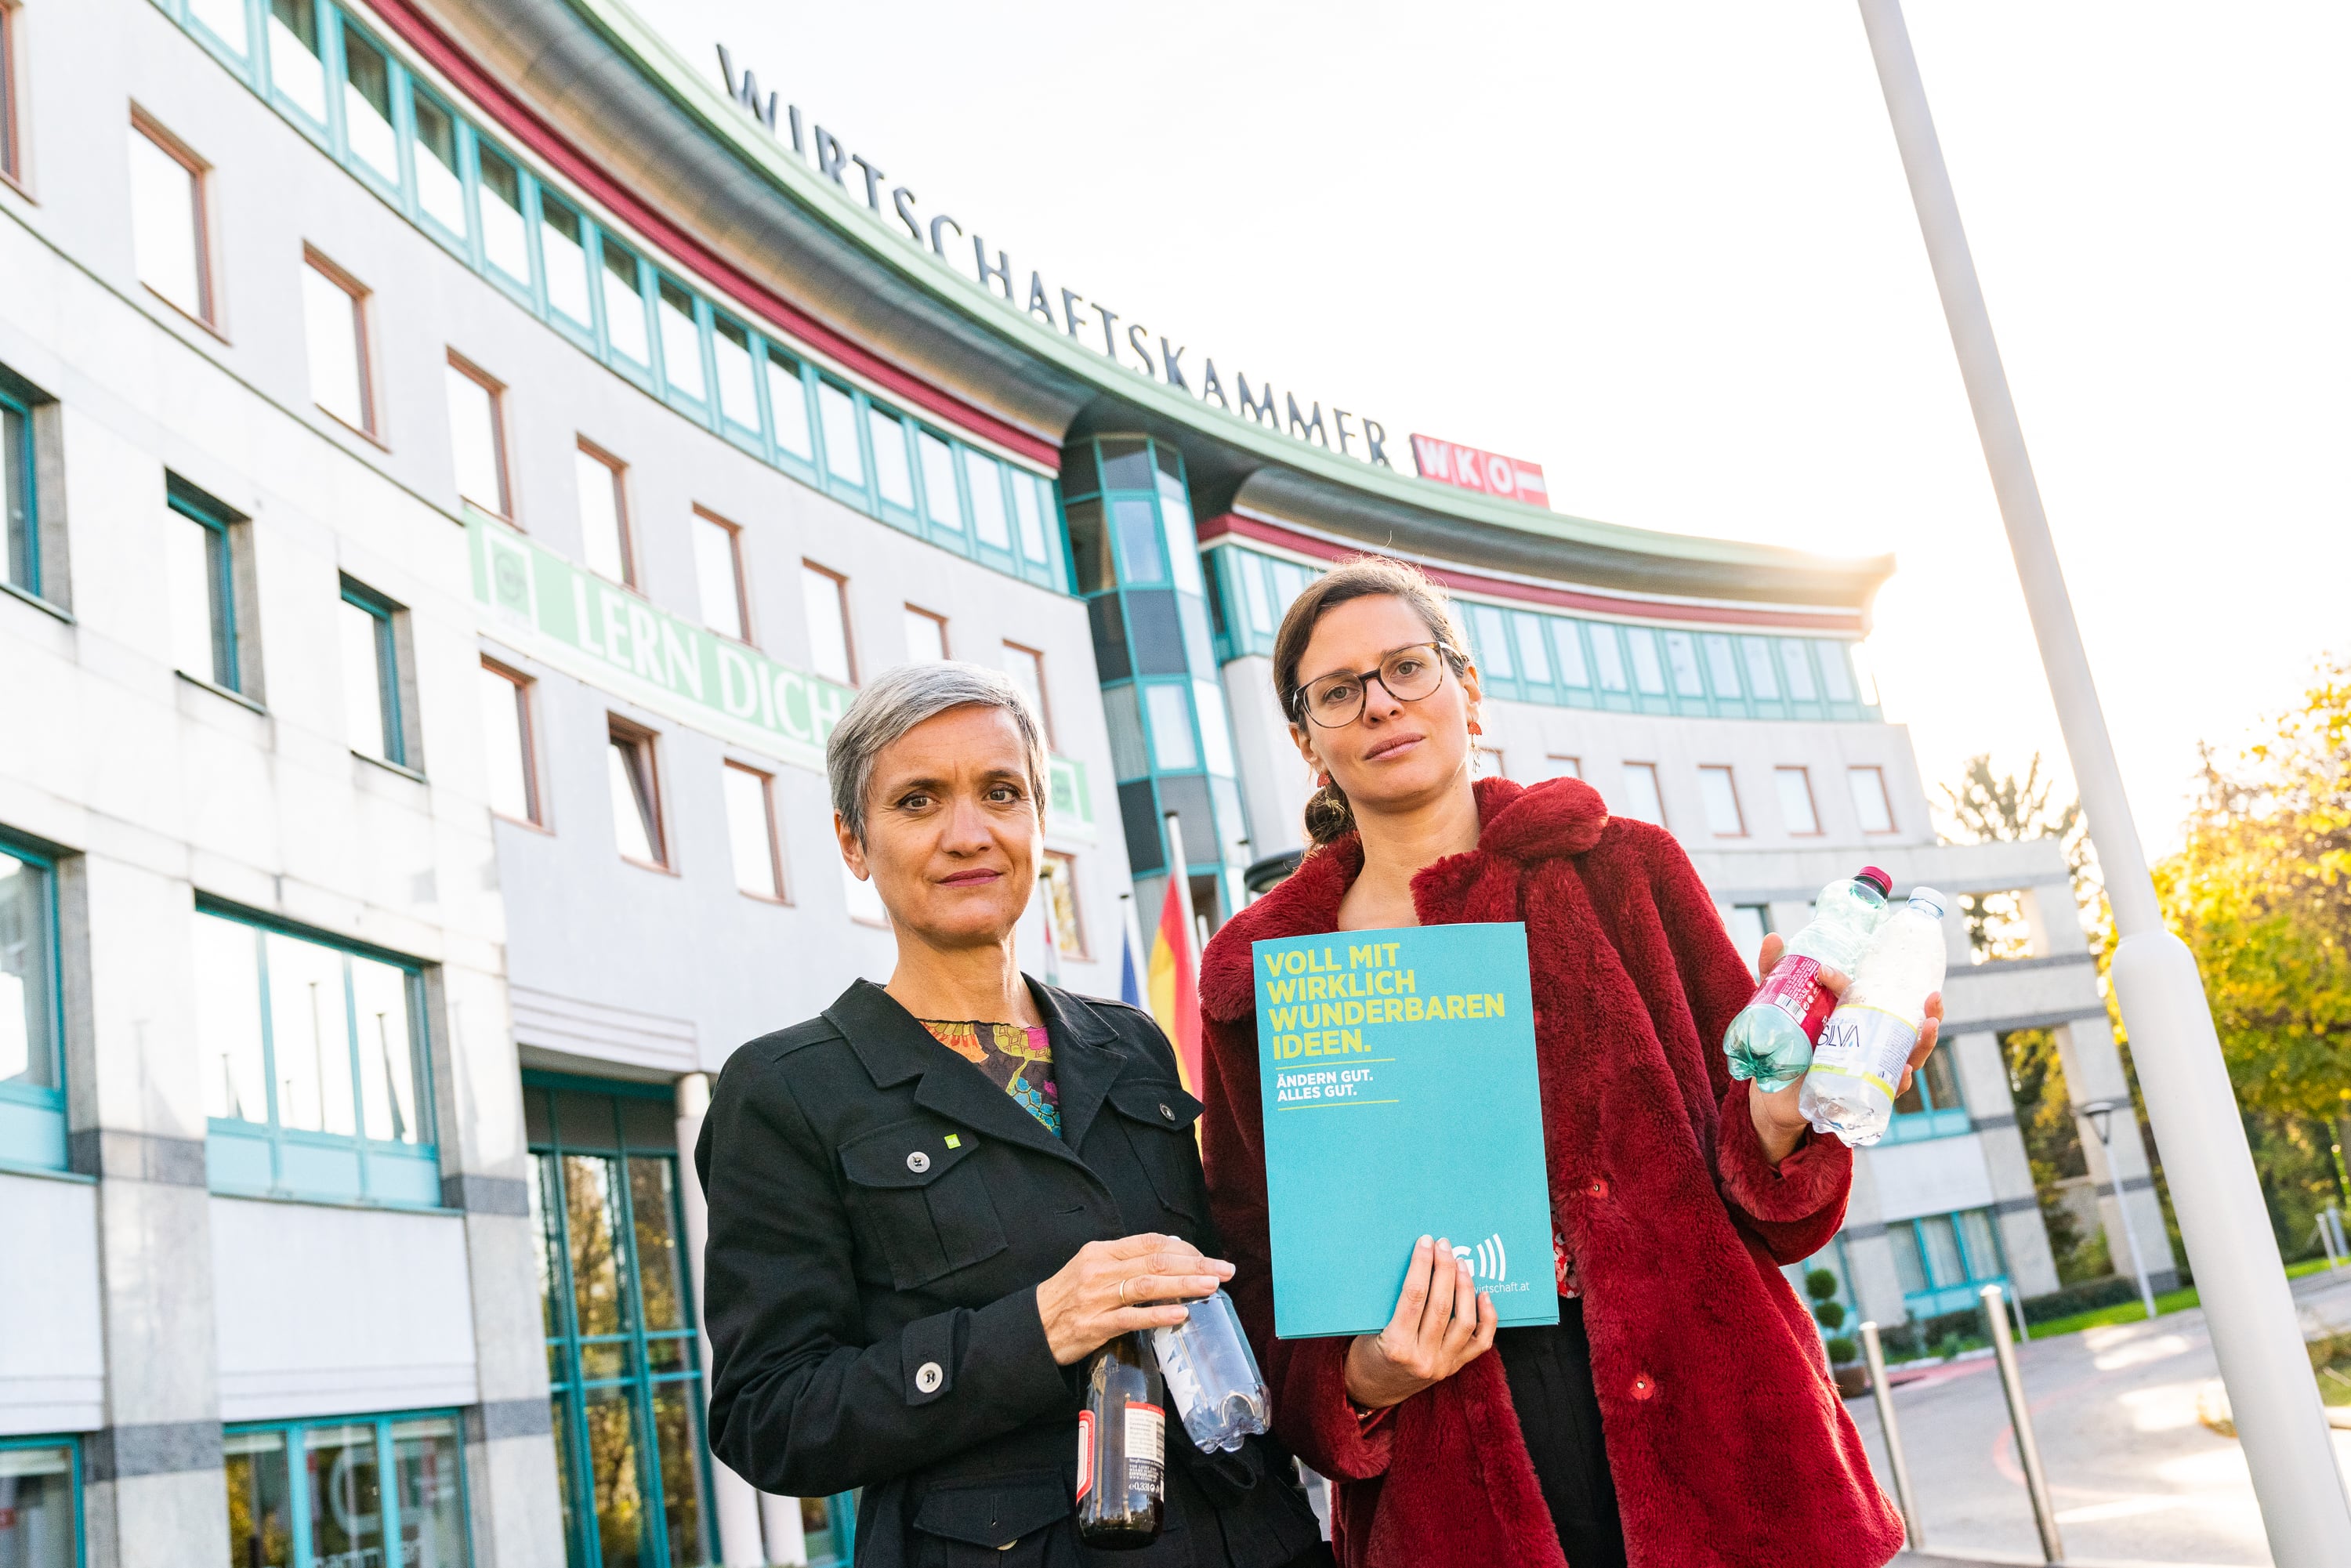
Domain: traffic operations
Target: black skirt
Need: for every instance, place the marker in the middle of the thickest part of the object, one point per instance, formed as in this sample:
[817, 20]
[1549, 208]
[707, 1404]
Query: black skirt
[1550, 1373]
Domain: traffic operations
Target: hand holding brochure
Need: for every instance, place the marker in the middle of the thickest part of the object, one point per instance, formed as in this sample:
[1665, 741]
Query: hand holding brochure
[1401, 1100]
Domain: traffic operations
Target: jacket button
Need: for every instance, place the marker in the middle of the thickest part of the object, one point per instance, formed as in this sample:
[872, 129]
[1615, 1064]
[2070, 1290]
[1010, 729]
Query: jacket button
[918, 1162]
[1644, 1385]
[1597, 1186]
[928, 1376]
[1166, 1114]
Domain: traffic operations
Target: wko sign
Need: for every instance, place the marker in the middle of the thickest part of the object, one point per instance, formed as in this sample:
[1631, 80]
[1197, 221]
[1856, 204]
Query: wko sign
[1471, 468]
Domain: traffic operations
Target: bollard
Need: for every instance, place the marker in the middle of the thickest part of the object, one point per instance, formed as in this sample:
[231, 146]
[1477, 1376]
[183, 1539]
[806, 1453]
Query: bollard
[2334, 1223]
[2020, 1418]
[1899, 1467]
[2327, 1240]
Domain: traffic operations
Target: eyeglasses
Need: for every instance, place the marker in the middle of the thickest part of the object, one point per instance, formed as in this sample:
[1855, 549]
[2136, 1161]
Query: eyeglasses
[1336, 700]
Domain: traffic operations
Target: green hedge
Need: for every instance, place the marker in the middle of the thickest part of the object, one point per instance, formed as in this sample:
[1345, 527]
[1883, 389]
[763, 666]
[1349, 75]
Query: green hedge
[2087, 1296]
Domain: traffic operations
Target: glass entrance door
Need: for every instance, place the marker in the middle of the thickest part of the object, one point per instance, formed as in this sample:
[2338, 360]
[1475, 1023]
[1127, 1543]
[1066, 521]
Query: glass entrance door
[621, 1352]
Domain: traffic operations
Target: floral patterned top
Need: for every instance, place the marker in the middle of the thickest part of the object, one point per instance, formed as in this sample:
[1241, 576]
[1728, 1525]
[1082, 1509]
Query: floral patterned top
[1019, 1059]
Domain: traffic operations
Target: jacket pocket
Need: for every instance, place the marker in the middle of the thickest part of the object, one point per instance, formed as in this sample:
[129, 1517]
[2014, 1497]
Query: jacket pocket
[1157, 1116]
[923, 1199]
[1014, 1520]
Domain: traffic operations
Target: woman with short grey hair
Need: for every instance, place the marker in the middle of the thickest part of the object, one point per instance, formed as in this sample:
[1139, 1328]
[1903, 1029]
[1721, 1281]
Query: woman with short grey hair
[931, 1204]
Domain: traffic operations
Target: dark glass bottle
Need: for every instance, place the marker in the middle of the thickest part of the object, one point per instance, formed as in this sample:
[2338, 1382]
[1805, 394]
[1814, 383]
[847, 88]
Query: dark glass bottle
[1122, 1447]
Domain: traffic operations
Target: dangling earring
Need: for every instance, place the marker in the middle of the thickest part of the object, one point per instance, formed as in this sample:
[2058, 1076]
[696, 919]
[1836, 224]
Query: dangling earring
[1477, 728]
[1322, 780]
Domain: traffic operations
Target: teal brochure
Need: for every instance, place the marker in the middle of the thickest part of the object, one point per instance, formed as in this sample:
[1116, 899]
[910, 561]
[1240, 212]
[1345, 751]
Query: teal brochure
[1401, 1100]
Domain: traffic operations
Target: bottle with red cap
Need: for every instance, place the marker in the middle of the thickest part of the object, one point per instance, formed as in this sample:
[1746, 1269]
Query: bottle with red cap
[1771, 1040]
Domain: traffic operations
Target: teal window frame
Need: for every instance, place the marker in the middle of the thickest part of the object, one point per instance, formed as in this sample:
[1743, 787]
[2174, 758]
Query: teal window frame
[704, 408]
[412, 150]
[295, 1434]
[387, 668]
[319, 129]
[20, 510]
[393, 183]
[1960, 1295]
[268, 1159]
[33, 1116]
[72, 1443]
[220, 572]
[1942, 1109]
[567, 1372]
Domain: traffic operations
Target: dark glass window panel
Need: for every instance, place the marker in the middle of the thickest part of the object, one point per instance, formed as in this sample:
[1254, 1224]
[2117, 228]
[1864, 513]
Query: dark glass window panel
[1942, 1081]
[1170, 463]
[345, 1493]
[1186, 795]
[1910, 1102]
[591, 1214]
[584, 1121]
[679, 1446]
[1090, 548]
[1108, 619]
[1125, 465]
[300, 19]
[537, 1120]
[649, 1124]
[368, 71]
[603, 1360]
[1196, 645]
[260, 1499]
[559, 1410]
[550, 1271]
[1138, 812]
[1136, 523]
[614, 1472]
[664, 1355]
[1156, 632]
[1079, 476]
[652, 1209]
[1129, 757]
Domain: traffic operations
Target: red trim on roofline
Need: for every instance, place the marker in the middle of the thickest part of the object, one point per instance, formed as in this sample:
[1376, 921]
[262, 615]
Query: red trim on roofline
[518, 121]
[1532, 593]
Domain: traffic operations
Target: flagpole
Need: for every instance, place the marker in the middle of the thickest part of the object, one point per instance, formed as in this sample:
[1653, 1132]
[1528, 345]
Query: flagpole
[1182, 872]
[2223, 1220]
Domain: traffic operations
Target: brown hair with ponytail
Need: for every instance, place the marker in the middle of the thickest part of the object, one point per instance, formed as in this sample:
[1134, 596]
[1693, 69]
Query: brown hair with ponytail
[1328, 814]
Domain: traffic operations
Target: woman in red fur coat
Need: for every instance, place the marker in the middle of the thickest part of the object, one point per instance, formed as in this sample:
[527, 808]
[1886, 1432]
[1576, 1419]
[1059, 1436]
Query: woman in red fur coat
[1681, 1412]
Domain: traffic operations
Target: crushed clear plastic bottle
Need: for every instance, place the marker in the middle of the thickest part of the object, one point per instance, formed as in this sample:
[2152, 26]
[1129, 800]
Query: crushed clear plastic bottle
[1857, 1066]
[1212, 1375]
[1772, 1039]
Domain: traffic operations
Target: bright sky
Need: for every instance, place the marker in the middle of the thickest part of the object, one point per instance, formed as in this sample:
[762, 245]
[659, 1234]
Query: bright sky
[1667, 252]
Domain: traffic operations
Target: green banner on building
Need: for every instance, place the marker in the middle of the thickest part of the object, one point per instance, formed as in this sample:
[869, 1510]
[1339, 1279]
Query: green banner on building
[544, 606]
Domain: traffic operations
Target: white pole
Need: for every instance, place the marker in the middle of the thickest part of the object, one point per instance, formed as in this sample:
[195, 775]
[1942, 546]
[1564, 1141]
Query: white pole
[2222, 1221]
[2130, 1240]
[737, 1506]
[1180, 869]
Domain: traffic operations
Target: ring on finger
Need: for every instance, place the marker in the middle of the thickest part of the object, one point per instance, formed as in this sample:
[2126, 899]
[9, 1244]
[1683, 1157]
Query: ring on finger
[1122, 1291]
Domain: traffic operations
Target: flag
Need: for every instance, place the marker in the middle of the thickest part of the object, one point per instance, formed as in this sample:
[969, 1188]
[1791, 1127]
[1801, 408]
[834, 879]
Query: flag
[1176, 985]
[1130, 989]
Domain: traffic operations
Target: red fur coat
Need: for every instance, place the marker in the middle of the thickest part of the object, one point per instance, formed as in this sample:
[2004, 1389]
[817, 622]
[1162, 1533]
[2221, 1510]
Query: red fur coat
[1728, 1443]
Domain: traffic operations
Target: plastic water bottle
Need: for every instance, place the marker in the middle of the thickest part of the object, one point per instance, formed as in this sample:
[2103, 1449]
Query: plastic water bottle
[1212, 1375]
[1771, 1040]
[1857, 1067]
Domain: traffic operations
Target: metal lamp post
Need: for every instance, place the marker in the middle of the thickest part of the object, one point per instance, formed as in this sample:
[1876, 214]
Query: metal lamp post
[2101, 1113]
[2214, 1191]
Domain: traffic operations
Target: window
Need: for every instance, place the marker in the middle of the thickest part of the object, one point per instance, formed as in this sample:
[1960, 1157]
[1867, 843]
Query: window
[825, 597]
[624, 304]
[1944, 1260]
[1932, 1107]
[1649, 675]
[507, 727]
[10, 165]
[1060, 875]
[1487, 763]
[892, 475]
[31, 1017]
[751, 831]
[353, 1488]
[940, 501]
[1557, 765]
[1762, 679]
[1608, 657]
[167, 221]
[738, 390]
[440, 188]
[1028, 512]
[844, 458]
[1836, 674]
[1534, 659]
[1026, 668]
[200, 583]
[477, 438]
[335, 330]
[927, 636]
[297, 67]
[718, 573]
[1642, 802]
[788, 405]
[1798, 669]
[374, 712]
[224, 19]
[1681, 657]
[1719, 791]
[563, 245]
[636, 795]
[312, 1059]
[987, 518]
[1493, 641]
[622, 1356]
[1868, 787]
[1173, 749]
[1567, 641]
[367, 104]
[40, 1487]
[681, 340]
[604, 515]
[20, 513]
[1796, 809]
[1721, 666]
[505, 232]
[1748, 924]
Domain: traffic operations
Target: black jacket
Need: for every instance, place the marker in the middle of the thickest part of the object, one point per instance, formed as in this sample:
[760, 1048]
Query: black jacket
[871, 1285]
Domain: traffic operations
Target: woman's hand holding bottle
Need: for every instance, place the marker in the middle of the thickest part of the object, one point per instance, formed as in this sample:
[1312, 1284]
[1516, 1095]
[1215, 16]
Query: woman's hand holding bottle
[1441, 1324]
[1112, 1288]
[1779, 1125]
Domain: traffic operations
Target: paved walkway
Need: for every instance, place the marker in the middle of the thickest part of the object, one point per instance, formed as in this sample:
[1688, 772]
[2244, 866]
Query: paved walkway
[2136, 1476]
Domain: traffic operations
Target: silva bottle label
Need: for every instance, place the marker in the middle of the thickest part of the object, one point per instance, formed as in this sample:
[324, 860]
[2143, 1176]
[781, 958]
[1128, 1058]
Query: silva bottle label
[1085, 1454]
[1868, 1043]
[1795, 987]
[1147, 1449]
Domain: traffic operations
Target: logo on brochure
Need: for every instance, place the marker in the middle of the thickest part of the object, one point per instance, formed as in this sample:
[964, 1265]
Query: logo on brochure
[1487, 1260]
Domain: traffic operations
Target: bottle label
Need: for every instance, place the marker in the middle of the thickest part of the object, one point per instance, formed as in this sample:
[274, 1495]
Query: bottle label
[1085, 1454]
[1794, 987]
[1147, 1449]
[1868, 1043]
